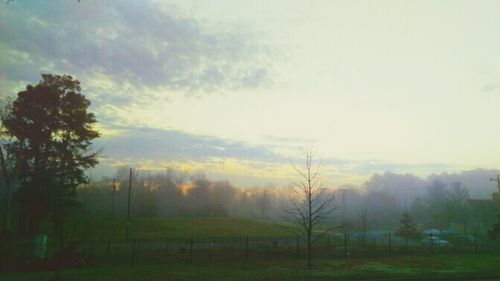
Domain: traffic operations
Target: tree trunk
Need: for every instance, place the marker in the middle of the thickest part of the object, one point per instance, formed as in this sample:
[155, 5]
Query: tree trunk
[309, 244]
[34, 220]
[21, 222]
[58, 227]
[310, 222]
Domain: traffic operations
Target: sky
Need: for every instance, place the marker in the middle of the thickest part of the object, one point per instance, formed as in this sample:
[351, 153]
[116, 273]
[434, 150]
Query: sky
[241, 90]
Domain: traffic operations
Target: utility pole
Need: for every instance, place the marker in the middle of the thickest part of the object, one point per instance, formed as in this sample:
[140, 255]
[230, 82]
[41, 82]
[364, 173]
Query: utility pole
[498, 182]
[344, 222]
[115, 181]
[128, 204]
[496, 195]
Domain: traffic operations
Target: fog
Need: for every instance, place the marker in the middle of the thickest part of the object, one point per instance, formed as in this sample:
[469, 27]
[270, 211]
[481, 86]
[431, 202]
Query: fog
[440, 200]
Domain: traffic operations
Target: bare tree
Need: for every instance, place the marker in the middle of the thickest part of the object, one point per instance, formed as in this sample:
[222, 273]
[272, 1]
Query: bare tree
[310, 204]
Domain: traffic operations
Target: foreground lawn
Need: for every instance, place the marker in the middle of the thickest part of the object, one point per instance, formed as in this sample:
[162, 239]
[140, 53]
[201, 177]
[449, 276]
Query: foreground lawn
[444, 267]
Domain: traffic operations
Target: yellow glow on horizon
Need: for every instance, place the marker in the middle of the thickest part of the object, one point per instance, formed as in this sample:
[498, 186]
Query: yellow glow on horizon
[106, 132]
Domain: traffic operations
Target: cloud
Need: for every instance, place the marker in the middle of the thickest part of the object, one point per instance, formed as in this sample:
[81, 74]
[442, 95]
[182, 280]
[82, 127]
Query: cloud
[156, 149]
[368, 167]
[142, 143]
[129, 42]
[491, 88]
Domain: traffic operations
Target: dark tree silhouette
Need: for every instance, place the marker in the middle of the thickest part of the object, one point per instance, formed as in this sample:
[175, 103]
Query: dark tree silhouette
[52, 128]
[407, 228]
[310, 205]
[10, 168]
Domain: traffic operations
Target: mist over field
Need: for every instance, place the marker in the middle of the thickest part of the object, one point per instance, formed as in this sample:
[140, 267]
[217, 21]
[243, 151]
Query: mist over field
[384, 197]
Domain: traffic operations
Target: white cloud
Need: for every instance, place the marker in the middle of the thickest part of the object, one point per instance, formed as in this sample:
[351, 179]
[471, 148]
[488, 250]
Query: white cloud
[129, 42]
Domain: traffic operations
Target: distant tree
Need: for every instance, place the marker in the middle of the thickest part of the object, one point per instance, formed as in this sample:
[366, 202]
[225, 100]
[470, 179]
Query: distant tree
[494, 232]
[407, 228]
[310, 205]
[168, 194]
[53, 130]
[405, 187]
[222, 193]
[383, 208]
[436, 197]
[458, 207]
[419, 211]
[263, 202]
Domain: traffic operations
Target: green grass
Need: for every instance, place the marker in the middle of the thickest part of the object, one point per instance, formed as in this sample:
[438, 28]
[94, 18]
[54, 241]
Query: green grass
[228, 267]
[445, 267]
[178, 228]
[175, 229]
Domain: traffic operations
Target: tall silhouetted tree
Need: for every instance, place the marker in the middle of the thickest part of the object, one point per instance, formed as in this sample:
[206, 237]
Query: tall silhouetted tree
[311, 204]
[53, 130]
[10, 168]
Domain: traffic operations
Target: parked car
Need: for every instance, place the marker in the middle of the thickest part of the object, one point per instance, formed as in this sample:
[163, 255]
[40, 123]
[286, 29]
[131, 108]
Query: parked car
[434, 241]
[431, 232]
[465, 240]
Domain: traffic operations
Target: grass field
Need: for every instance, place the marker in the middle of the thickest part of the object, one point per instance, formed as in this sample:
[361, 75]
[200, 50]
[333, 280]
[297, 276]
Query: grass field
[104, 227]
[269, 263]
[174, 228]
[402, 267]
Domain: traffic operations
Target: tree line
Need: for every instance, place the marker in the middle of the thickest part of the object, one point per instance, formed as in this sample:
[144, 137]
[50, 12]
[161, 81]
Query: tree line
[178, 193]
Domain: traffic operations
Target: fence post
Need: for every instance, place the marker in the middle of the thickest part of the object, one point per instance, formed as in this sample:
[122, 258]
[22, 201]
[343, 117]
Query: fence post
[432, 244]
[390, 245]
[246, 249]
[297, 246]
[345, 244]
[108, 248]
[91, 245]
[475, 244]
[133, 251]
[191, 249]
[334, 251]
[212, 249]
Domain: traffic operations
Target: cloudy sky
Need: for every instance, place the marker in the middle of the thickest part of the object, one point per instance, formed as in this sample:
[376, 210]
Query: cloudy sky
[240, 89]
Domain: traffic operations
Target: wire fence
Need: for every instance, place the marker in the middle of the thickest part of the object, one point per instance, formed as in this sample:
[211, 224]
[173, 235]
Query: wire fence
[18, 256]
